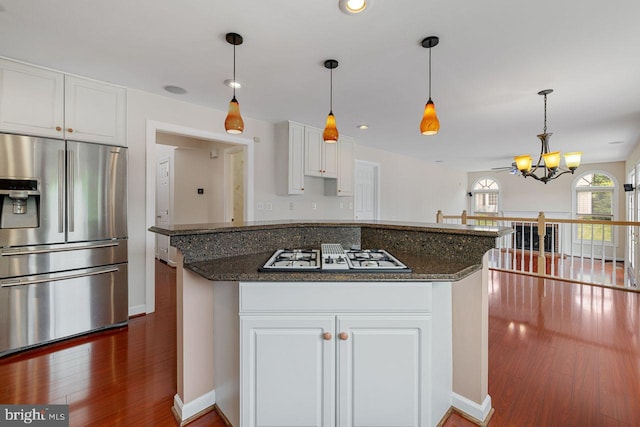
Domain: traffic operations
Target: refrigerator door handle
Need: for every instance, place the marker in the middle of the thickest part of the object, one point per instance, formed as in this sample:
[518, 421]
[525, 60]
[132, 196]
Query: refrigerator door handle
[61, 169]
[23, 251]
[70, 183]
[52, 278]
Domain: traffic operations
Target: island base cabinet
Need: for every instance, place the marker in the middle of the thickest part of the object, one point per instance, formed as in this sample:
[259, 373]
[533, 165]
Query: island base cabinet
[287, 371]
[383, 371]
[335, 370]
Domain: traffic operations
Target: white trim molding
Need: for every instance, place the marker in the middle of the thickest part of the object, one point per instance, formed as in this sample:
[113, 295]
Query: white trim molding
[477, 411]
[185, 411]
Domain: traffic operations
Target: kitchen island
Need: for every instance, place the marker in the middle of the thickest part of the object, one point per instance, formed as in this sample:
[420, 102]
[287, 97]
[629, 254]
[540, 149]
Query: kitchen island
[326, 348]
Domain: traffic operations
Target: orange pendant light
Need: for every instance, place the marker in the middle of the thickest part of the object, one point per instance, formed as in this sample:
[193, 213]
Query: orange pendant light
[330, 134]
[233, 123]
[430, 125]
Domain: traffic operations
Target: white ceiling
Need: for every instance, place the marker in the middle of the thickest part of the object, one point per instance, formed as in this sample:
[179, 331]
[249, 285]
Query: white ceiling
[493, 58]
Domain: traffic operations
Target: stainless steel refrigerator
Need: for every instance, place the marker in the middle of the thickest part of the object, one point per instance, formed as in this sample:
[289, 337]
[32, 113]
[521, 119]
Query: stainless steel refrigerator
[63, 239]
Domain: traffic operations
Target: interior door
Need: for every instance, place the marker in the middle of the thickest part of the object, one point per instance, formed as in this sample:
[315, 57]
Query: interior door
[162, 207]
[366, 191]
[96, 192]
[236, 180]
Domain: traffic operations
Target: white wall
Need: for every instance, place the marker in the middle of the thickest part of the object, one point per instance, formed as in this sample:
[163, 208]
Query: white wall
[413, 189]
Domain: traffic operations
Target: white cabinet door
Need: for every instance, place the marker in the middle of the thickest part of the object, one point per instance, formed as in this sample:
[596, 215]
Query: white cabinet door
[383, 362]
[320, 159]
[313, 152]
[94, 111]
[296, 159]
[330, 169]
[31, 100]
[288, 371]
[345, 166]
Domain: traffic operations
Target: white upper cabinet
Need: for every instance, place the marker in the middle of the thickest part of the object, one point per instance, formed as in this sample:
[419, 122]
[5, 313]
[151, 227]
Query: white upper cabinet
[31, 100]
[94, 111]
[321, 159]
[343, 185]
[290, 158]
[40, 102]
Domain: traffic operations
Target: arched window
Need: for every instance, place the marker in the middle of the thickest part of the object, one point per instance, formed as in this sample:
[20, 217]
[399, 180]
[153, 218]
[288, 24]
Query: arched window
[595, 196]
[485, 197]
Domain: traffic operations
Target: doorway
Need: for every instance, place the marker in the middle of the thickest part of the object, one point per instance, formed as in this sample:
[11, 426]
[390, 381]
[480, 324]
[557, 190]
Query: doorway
[235, 165]
[201, 137]
[163, 202]
[366, 190]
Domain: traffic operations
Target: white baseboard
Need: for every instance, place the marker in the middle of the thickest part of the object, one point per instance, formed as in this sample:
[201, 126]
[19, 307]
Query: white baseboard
[478, 411]
[137, 309]
[199, 404]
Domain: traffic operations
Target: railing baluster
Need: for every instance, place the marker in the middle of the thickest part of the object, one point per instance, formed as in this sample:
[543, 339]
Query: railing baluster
[566, 259]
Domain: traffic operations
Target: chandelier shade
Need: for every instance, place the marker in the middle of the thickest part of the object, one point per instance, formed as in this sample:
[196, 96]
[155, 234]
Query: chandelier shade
[233, 123]
[548, 163]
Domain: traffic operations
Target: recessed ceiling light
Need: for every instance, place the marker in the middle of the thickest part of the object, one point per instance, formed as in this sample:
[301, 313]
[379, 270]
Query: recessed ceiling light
[363, 126]
[353, 7]
[616, 142]
[439, 161]
[232, 84]
[175, 89]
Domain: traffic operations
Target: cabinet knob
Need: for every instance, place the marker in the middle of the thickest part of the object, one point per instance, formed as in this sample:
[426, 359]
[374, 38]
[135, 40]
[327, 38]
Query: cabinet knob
[58, 128]
[302, 188]
[327, 336]
[70, 130]
[343, 336]
[339, 191]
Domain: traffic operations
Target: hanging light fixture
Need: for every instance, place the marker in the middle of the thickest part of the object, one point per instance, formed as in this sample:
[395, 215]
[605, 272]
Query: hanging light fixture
[430, 125]
[549, 161]
[234, 123]
[330, 134]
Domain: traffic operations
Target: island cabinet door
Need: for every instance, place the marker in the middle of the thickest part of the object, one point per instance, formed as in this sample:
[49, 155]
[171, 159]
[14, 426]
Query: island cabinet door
[383, 371]
[288, 371]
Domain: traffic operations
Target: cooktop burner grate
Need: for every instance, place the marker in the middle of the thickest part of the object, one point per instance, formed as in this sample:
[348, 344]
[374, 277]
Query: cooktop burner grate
[334, 258]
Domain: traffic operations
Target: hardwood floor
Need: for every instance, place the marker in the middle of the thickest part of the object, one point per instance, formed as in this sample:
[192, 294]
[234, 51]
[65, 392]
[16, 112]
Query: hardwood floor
[560, 354]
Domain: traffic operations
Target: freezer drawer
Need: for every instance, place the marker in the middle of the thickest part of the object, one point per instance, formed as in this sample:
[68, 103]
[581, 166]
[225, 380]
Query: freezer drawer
[32, 260]
[39, 309]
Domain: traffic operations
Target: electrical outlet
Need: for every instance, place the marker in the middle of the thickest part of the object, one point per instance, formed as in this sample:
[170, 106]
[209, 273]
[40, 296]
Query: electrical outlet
[269, 206]
[351, 205]
[341, 205]
[292, 206]
[260, 206]
[314, 205]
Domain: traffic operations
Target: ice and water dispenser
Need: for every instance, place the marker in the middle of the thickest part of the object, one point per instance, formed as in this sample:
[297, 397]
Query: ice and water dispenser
[20, 202]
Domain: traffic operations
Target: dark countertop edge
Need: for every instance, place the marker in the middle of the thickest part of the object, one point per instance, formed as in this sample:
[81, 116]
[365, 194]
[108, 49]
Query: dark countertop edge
[255, 276]
[195, 229]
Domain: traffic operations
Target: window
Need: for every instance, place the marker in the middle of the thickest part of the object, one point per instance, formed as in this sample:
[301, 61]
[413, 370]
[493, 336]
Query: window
[594, 196]
[485, 199]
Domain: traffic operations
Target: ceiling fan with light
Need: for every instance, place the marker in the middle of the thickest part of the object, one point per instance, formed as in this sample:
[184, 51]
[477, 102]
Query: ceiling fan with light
[513, 169]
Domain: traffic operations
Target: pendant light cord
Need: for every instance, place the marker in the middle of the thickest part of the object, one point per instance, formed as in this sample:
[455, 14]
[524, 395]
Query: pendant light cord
[234, 69]
[331, 92]
[429, 73]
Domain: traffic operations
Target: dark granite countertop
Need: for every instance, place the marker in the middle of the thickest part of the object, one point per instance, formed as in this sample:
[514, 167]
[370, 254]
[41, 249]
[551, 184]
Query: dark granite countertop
[190, 229]
[235, 252]
[245, 268]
